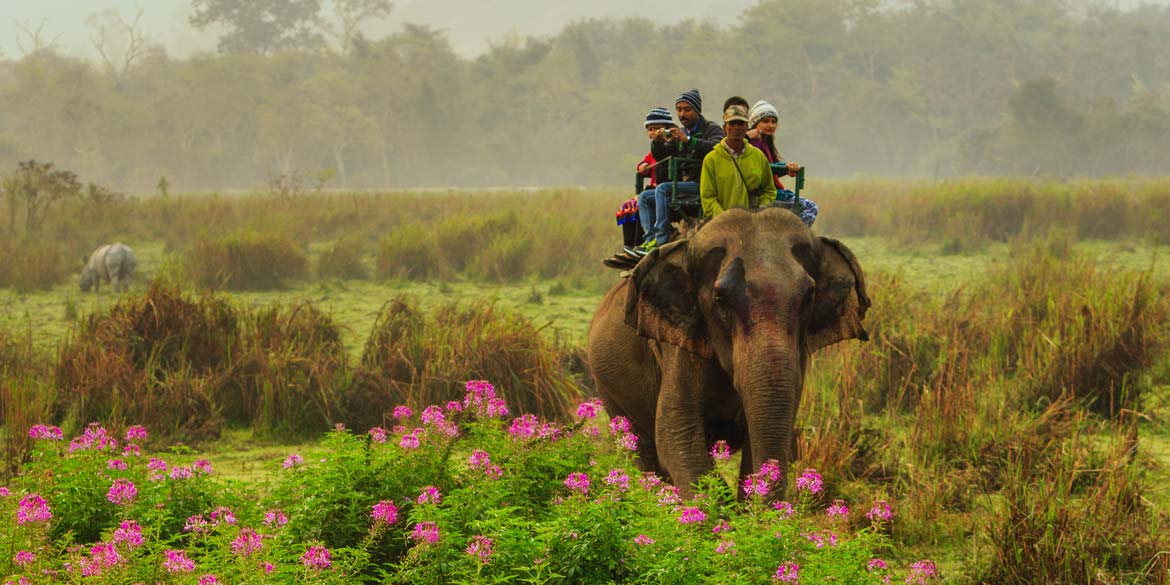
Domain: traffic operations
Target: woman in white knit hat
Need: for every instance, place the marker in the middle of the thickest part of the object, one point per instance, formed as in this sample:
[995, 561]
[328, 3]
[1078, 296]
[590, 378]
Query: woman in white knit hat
[762, 122]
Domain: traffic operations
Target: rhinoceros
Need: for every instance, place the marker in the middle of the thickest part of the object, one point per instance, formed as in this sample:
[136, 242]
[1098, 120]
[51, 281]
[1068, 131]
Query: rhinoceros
[113, 263]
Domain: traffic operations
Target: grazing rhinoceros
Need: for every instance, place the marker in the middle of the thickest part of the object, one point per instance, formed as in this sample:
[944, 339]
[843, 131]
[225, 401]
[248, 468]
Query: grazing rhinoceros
[113, 263]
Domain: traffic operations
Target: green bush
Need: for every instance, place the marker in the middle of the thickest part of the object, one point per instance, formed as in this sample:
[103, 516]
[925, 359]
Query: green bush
[343, 260]
[408, 251]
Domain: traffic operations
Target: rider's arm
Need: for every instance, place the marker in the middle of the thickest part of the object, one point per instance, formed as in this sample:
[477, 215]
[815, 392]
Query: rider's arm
[708, 193]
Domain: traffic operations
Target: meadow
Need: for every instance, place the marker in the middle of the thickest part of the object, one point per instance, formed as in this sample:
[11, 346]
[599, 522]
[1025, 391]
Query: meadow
[1010, 408]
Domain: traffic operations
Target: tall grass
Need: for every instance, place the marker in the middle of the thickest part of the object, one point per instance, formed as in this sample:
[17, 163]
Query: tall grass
[246, 261]
[416, 358]
[26, 396]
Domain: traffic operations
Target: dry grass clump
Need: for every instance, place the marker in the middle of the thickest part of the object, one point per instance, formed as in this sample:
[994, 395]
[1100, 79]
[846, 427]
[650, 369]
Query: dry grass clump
[37, 264]
[418, 359]
[157, 358]
[26, 397]
[246, 261]
[291, 372]
[408, 251]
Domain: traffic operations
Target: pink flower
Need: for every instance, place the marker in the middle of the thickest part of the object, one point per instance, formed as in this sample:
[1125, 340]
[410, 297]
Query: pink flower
[493, 472]
[837, 510]
[628, 441]
[292, 461]
[209, 579]
[410, 441]
[428, 531]
[246, 543]
[94, 437]
[177, 562]
[433, 415]
[132, 450]
[588, 410]
[105, 554]
[880, 512]
[479, 459]
[275, 518]
[649, 481]
[720, 451]
[787, 573]
[402, 412]
[317, 558]
[722, 526]
[668, 496]
[268, 567]
[921, 572]
[223, 515]
[129, 533]
[755, 485]
[785, 509]
[497, 408]
[479, 393]
[122, 492]
[4, 492]
[24, 558]
[117, 464]
[692, 515]
[454, 406]
[524, 426]
[156, 464]
[618, 479]
[619, 425]
[378, 435]
[725, 546]
[181, 472]
[429, 495]
[384, 512]
[135, 434]
[197, 524]
[202, 466]
[578, 482]
[820, 539]
[480, 548]
[643, 540]
[811, 481]
[45, 432]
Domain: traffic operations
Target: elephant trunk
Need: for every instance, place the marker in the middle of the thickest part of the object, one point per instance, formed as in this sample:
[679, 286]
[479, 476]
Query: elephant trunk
[770, 387]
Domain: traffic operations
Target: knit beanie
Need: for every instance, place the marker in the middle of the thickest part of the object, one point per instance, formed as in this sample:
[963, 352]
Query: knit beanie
[658, 116]
[761, 110]
[691, 97]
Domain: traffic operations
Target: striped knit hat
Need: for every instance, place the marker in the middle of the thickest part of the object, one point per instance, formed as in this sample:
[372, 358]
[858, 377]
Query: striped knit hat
[658, 116]
[691, 97]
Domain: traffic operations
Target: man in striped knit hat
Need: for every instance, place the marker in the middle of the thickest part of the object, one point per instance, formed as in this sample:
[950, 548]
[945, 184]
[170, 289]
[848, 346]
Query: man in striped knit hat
[693, 141]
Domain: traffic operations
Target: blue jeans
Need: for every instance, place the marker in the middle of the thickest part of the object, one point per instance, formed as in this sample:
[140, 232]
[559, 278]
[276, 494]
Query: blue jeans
[808, 209]
[654, 208]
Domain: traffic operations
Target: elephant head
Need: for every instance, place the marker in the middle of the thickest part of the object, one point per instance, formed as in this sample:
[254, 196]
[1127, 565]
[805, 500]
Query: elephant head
[748, 298]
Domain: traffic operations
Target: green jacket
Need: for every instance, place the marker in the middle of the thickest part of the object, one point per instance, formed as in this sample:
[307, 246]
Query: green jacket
[720, 186]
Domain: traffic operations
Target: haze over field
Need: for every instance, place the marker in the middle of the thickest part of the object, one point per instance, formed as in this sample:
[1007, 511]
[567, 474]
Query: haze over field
[523, 92]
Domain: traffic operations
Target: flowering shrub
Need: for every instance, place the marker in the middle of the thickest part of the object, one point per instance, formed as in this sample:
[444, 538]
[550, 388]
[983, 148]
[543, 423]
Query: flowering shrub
[484, 496]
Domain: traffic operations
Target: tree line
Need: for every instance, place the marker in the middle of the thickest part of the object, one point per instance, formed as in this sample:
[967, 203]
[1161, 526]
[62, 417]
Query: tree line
[928, 88]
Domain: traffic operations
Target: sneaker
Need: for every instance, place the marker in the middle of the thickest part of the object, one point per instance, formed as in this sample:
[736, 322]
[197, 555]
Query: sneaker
[645, 248]
[631, 250]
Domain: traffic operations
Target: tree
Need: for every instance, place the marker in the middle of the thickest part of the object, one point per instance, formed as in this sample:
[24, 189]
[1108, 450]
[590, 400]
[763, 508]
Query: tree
[119, 43]
[261, 26]
[350, 14]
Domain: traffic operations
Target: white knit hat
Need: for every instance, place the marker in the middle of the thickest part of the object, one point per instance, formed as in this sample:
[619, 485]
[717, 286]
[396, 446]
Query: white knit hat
[761, 110]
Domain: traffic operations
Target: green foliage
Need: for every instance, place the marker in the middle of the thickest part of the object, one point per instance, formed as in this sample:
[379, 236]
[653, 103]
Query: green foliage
[246, 261]
[343, 260]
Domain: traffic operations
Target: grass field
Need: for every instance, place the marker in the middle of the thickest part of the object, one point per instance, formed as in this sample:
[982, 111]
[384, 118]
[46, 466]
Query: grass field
[1015, 395]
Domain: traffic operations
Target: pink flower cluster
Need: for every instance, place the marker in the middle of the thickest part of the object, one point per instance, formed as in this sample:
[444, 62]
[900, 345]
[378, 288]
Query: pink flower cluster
[880, 512]
[317, 558]
[921, 572]
[480, 460]
[426, 531]
[618, 479]
[480, 547]
[24, 558]
[246, 543]
[103, 555]
[810, 481]
[784, 508]
[837, 509]
[879, 567]
[481, 396]
[720, 451]
[589, 410]
[33, 508]
[820, 539]
[402, 412]
[787, 573]
[49, 433]
[129, 533]
[411, 440]
[429, 495]
[275, 518]
[136, 434]
[178, 562]
[292, 460]
[619, 428]
[760, 483]
[384, 512]
[643, 540]
[724, 547]
[692, 515]
[578, 482]
[95, 436]
[378, 435]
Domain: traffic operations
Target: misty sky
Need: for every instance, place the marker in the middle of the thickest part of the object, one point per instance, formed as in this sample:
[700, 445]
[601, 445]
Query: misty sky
[470, 24]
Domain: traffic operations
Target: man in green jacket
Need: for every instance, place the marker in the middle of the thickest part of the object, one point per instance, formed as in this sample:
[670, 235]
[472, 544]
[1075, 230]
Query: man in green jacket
[735, 173]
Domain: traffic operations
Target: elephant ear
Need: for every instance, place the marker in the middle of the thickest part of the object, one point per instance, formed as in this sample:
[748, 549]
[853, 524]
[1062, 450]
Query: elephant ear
[840, 303]
[662, 300]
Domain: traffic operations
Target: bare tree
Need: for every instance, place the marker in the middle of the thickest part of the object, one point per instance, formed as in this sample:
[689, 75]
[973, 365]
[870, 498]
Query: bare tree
[349, 16]
[31, 41]
[119, 43]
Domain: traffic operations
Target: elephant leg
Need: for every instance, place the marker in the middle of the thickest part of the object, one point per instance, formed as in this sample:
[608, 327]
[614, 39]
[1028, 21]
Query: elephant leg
[680, 430]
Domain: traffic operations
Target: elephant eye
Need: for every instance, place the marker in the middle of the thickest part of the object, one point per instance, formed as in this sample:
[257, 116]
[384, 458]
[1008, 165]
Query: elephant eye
[719, 307]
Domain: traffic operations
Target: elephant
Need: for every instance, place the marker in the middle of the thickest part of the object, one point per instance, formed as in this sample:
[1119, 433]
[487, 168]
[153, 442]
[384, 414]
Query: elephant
[709, 338]
[113, 263]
